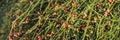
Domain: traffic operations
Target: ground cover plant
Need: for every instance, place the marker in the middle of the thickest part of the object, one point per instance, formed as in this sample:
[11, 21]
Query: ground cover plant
[60, 19]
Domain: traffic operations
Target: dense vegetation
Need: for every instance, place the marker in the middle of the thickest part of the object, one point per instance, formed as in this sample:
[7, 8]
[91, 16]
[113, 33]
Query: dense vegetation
[60, 20]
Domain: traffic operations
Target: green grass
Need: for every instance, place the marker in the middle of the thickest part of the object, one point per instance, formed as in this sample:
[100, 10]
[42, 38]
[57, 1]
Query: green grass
[60, 20]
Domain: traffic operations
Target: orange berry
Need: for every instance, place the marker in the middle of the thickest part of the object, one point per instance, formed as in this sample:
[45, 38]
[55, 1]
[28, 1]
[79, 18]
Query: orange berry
[64, 25]
[38, 12]
[95, 19]
[54, 13]
[85, 16]
[110, 1]
[57, 26]
[73, 3]
[56, 7]
[52, 32]
[46, 11]
[90, 27]
[18, 35]
[73, 15]
[48, 35]
[107, 12]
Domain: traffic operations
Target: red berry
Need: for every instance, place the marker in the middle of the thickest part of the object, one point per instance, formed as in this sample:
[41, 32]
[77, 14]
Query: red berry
[16, 35]
[27, 20]
[31, 1]
[10, 38]
[40, 23]
[83, 28]
[67, 9]
[39, 37]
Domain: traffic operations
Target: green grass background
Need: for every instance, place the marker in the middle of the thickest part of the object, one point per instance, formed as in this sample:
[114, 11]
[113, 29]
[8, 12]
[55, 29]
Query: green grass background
[14, 12]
